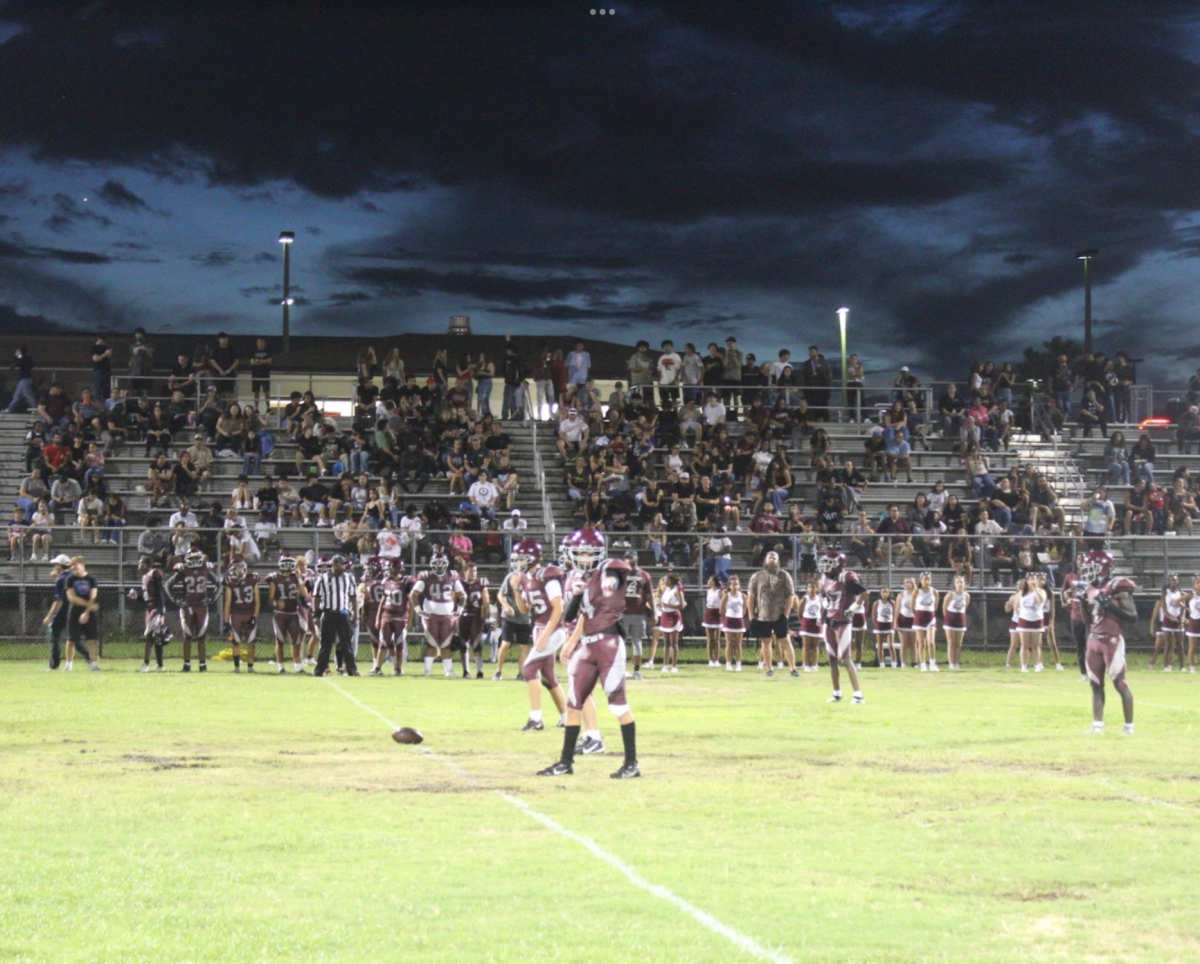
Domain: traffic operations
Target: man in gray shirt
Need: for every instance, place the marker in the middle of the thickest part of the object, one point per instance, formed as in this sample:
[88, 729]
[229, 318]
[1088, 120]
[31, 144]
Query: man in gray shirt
[769, 598]
[641, 370]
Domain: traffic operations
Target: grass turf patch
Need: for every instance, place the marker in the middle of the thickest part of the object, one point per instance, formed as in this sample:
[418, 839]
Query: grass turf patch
[959, 816]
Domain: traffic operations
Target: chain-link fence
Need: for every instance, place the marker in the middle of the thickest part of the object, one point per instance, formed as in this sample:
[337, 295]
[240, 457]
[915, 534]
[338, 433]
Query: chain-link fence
[989, 565]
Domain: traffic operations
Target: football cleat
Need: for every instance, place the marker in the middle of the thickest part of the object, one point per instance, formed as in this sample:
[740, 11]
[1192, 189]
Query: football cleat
[770, 672]
[1097, 728]
[533, 725]
[282, 671]
[187, 667]
[795, 672]
[637, 674]
[836, 698]
[376, 671]
[1127, 730]
[591, 746]
[145, 668]
[628, 771]
[496, 677]
[857, 698]
[558, 769]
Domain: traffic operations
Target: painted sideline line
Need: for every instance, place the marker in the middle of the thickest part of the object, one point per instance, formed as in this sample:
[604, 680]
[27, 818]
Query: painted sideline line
[738, 939]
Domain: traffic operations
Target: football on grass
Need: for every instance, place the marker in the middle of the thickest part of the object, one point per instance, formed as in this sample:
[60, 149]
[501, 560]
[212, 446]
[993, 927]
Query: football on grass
[406, 734]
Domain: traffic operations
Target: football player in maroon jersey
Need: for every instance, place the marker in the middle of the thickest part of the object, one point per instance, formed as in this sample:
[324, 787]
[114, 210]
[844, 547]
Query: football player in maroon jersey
[595, 650]
[1108, 604]
[241, 612]
[391, 621]
[639, 604]
[194, 585]
[541, 595]
[840, 587]
[286, 592]
[475, 613]
[516, 625]
[370, 595]
[154, 595]
[438, 596]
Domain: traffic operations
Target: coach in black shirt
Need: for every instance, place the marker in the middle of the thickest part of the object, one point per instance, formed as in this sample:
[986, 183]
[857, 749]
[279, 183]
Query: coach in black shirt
[334, 598]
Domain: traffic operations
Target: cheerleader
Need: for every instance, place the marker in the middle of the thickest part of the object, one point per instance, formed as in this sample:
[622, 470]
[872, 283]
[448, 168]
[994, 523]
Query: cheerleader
[732, 605]
[1167, 619]
[712, 621]
[954, 620]
[1014, 635]
[1026, 602]
[812, 625]
[1193, 622]
[670, 623]
[904, 624]
[924, 606]
[858, 627]
[883, 624]
[1049, 617]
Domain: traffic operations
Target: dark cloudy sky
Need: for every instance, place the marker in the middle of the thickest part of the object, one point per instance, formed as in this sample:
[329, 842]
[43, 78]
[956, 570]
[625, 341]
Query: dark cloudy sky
[685, 168]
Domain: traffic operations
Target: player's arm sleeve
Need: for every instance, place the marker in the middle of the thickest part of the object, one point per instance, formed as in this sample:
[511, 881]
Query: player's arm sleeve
[856, 587]
[572, 607]
[1122, 606]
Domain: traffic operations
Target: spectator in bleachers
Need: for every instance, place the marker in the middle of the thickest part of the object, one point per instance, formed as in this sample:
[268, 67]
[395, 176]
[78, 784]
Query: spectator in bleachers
[816, 378]
[1187, 429]
[54, 407]
[905, 387]
[224, 365]
[182, 377]
[33, 490]
[23, 395]
[1142, 458]
[260, 373]
[1093, 412]
[88, 515]
[875, 455]
[160, 479]
[186, 475]
[1137, 516]
[41, 532]
[201, 458]
[1180, 507]
[483, 496]
[1116, 456]
[952, 410]
[642, 369]
[230, 433]
[114, 517]
[896, 445]
[157, 430]
[899, 533]
[17, 528]
[141, 363]
[767, 527]
[35, 441]
[862, 539]
[185, 515]
[64, 494]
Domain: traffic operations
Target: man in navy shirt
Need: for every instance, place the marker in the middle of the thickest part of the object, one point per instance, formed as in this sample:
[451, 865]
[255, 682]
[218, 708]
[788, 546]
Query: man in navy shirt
[56, 619]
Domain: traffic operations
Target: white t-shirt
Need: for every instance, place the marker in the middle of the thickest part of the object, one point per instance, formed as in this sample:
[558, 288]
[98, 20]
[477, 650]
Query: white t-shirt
[483, 494]
[692, 368]
[714, 412]
[389, 543]
[572, 428]
[668, 368]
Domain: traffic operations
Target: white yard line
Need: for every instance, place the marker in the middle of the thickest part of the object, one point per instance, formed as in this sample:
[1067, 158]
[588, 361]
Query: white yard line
[735, 937]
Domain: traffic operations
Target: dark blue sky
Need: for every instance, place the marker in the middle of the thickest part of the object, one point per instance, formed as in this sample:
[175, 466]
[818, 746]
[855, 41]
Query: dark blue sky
[688, 169]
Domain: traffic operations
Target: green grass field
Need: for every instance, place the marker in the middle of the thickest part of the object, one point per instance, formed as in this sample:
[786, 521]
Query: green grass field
[958, 817]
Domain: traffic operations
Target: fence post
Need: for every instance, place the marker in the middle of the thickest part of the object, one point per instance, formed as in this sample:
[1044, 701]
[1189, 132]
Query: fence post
[121, 576]
[21, 593]
[1166, 559]
[983, 595]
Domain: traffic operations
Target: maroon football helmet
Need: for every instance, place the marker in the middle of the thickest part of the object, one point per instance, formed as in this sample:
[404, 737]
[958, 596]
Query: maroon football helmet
[1096, 566]
[526, 555]
[831, 563]
[587, 549]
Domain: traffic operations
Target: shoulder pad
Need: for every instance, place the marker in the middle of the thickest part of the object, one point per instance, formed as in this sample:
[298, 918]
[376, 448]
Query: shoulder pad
[1124, 584]
[546, 573]
[616, 565]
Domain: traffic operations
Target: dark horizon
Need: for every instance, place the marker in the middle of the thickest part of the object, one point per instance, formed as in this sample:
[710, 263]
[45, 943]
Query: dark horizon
[672, 170]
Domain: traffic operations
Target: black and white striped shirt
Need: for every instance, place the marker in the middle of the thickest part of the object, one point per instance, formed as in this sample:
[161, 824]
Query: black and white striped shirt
[334, 593]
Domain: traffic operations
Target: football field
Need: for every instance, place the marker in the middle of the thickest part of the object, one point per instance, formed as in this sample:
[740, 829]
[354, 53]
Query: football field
[954, 817]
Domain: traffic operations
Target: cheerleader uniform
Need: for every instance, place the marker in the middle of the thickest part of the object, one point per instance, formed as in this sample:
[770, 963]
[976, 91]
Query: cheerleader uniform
[904, 622]
[1193, 617]
[671, 620]
[1046, 606]
[712, 609]
[956, 611]
[733, 618]
[812, 621]
[858, 621]
[885, 618]
[1029, 614]
[925, 616]
[1170, 614]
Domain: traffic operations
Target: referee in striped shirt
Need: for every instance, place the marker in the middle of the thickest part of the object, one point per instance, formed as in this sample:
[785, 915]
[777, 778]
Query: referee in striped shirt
[334, 599]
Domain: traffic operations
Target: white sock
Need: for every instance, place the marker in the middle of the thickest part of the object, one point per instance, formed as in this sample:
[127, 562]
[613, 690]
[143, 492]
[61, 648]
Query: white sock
[428, 664]
[479, 662]
[448, 666]
[858, 693]
[535, 715]
[592, 734]
[69, 663]
[562, 718]
[297, 667]
[837, 692]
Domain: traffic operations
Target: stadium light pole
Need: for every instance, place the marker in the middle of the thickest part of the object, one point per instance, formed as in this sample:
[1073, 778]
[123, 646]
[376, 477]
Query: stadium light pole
[843, 317]
[286, 238]
[1086, 257]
